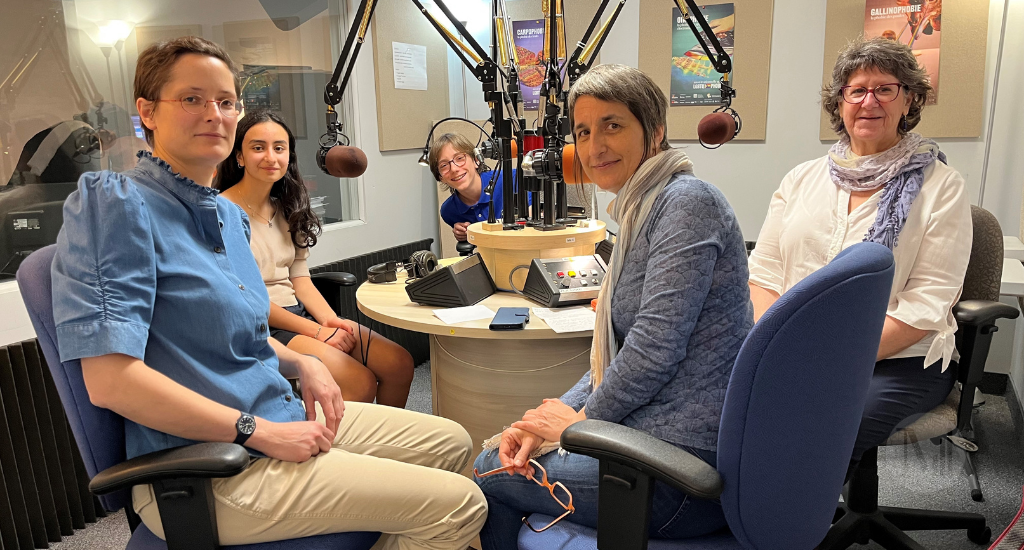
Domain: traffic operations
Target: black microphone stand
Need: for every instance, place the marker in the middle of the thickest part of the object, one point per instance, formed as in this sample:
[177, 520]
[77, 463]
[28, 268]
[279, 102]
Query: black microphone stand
[547, 164]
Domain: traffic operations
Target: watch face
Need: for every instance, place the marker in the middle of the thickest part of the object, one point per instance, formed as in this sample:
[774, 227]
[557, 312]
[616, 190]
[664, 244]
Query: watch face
[247, 425]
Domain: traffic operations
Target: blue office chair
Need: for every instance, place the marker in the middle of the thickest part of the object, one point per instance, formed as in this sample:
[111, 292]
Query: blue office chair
[180, 477]
[790, 419]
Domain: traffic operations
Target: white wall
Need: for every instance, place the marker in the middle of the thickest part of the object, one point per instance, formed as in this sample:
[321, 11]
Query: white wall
[1005, 180]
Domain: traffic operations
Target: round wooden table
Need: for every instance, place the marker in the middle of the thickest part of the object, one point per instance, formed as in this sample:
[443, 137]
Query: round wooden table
[484, 379]
[503, 251]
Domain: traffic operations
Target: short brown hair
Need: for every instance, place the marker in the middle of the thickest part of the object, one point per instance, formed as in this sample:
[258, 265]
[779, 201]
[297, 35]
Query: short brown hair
[458, 142]
[153, 69]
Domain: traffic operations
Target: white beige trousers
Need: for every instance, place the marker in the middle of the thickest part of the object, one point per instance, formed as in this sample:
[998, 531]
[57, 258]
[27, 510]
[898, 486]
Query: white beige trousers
[390, 470]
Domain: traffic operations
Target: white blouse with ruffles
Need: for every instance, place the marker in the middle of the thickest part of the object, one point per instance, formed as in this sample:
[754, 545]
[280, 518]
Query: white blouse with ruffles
[808, 225]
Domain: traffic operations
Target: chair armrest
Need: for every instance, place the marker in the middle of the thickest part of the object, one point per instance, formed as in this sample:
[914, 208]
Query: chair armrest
[339, 278]
[982, 312]
[202, 460]
[643, 452]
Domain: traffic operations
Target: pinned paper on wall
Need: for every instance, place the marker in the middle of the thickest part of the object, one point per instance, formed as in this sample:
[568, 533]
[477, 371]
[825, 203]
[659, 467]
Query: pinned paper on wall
[410, 62]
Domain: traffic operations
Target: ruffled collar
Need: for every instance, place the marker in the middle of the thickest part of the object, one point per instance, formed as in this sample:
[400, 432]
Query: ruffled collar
[180, 185]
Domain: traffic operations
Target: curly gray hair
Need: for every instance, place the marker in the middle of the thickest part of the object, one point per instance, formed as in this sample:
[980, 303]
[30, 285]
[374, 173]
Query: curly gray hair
[887, 56]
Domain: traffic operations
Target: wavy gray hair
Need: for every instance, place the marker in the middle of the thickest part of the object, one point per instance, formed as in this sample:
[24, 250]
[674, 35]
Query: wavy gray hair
[624, 84]
[887, 56]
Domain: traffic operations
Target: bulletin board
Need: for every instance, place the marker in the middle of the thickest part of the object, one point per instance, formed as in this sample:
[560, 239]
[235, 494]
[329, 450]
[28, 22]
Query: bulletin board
[958, 113]
[750, 67]
[404, 117]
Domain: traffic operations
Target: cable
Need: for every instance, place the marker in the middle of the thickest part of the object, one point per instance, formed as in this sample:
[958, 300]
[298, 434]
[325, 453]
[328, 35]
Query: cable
[3, 270]
[513, 272]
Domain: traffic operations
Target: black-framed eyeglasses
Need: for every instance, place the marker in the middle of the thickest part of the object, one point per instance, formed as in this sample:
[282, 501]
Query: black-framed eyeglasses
[884, 93]
[458, 160]
[197, 104]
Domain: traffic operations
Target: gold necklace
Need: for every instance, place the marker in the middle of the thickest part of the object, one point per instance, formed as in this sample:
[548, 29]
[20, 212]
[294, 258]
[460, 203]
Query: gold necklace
[270, 222]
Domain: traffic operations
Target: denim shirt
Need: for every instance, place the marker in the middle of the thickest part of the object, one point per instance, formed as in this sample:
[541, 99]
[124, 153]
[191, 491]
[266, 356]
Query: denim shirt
[151, 265]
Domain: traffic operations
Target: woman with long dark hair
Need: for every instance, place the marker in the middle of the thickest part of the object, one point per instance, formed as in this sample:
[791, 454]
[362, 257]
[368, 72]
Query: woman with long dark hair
[262, 177]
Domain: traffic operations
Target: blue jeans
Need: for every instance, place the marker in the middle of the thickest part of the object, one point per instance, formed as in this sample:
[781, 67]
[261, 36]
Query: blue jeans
[675, 515]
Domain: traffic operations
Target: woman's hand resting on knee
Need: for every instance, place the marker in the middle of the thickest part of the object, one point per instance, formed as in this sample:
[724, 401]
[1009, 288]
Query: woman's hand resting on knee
[550, 419]
[318, 386]
[344, 339]
[290, 441]
[515, 448]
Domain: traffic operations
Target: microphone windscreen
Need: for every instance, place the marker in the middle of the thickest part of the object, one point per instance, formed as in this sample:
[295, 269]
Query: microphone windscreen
[716, 128]
[571, 172]
[343, 161]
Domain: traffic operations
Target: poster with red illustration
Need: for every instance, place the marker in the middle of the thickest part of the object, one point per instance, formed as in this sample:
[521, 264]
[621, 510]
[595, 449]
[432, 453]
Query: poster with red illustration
[916, 23]
[528, 37]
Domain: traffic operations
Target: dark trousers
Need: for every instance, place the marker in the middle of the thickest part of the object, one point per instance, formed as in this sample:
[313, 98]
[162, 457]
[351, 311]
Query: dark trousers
[901, 391]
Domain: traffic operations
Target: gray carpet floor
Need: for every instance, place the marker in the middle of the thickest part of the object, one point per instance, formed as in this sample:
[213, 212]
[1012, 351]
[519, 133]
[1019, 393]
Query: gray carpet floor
[920, 476]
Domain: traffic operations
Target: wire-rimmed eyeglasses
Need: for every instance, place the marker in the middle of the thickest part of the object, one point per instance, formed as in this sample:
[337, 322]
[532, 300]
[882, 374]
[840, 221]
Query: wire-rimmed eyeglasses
[197, 104]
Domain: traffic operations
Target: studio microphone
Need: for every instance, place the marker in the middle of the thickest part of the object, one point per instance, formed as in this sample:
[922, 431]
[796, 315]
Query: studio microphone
[571, 172]
[547, 164]
[341, 161]
[717, 128]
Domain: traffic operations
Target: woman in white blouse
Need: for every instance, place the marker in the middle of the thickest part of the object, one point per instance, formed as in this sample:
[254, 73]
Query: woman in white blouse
[879, 183]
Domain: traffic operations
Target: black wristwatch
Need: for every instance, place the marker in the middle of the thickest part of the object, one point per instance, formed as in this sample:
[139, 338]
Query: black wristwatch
[245, 426]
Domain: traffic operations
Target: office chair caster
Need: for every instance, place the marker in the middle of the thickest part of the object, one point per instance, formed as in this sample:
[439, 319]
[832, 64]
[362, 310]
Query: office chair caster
[980, 536]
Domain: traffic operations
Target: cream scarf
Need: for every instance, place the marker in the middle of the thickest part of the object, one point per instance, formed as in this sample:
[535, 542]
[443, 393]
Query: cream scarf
[630, 210]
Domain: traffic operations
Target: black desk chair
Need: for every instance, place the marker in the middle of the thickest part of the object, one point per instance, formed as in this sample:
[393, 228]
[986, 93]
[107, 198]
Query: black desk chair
[859, 517]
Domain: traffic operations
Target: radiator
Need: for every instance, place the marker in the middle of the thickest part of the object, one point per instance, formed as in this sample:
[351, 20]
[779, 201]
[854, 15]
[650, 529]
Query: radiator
[344, 300]
[44, 489]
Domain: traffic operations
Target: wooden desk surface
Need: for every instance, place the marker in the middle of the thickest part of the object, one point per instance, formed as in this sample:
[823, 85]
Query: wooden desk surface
[389, 304]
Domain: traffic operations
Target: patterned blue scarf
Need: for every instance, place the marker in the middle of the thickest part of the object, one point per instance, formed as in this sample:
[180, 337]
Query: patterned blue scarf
[900, 169]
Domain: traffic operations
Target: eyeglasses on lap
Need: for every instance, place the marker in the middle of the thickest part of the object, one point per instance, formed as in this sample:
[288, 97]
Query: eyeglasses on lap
[884, 93]
[197, 105]
[558, 491]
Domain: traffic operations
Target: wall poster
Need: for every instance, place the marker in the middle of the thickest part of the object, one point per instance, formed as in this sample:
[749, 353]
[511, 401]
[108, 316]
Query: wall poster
[694, 79]
[916, 23]
[528, 36]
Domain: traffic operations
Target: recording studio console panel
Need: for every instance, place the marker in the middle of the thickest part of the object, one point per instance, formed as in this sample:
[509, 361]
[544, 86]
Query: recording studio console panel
[558, 282]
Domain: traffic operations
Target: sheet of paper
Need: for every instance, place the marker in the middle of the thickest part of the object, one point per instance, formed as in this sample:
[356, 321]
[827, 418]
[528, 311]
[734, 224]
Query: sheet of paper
[410, 62]
[454, 315]
[570, 319]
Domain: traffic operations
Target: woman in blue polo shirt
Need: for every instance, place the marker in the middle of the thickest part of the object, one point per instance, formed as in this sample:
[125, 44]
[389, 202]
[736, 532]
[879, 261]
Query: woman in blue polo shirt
[454, 163]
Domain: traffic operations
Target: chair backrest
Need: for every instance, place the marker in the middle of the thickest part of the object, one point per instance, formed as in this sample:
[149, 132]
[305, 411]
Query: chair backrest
[795, 401]
[98, 432]
[985, 268]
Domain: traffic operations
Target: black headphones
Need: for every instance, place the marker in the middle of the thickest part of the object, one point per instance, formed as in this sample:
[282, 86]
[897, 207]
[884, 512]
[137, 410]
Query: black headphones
[476, 150]
[420, 264]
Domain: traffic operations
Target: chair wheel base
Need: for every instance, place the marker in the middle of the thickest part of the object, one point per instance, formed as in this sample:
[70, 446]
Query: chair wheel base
[980, 536]
[976, 495]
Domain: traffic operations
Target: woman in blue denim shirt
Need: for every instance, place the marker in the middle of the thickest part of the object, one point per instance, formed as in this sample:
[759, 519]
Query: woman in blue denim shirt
[672, 314]
[156, 291]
